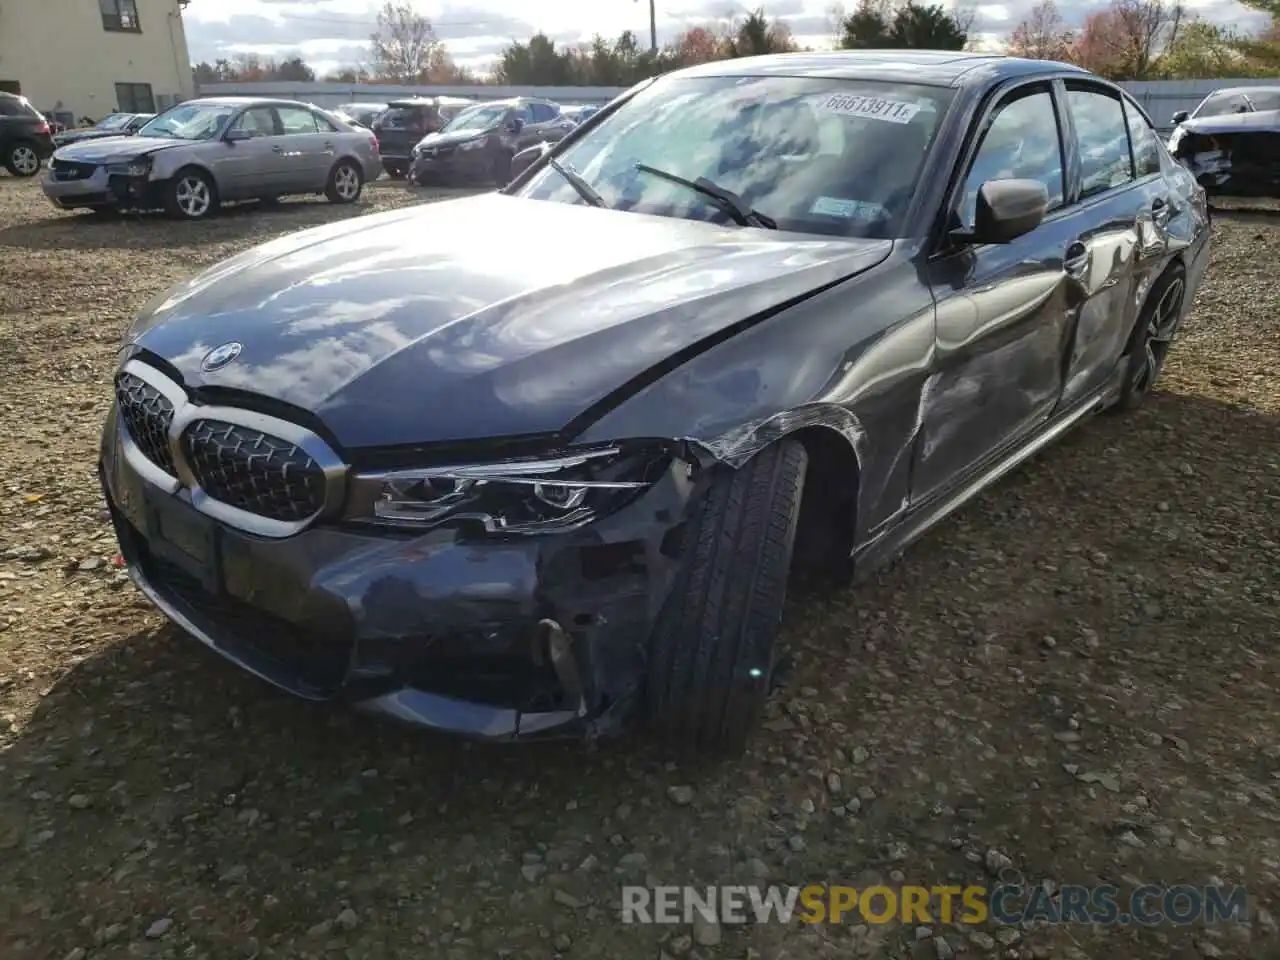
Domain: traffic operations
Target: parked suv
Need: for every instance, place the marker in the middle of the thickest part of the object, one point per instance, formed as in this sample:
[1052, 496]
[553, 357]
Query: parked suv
[478, 144]
[25, 140]
[405, 122]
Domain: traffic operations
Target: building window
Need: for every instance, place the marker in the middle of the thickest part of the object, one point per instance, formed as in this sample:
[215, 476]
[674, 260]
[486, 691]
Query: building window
[120, 15]
[135, 98]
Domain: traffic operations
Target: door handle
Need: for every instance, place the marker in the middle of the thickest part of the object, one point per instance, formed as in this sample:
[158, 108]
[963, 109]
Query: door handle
[277, 149]
[1160, 211]
[1077, 259]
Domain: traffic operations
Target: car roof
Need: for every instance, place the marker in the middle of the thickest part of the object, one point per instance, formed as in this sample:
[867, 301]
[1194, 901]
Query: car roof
[931, 67]
[246, 102]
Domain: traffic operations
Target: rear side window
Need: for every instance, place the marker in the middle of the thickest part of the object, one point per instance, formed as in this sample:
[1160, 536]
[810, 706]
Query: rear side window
[1021, 142]
[1143, 140]
[405, 118]
[1103, 140]
[296, 120]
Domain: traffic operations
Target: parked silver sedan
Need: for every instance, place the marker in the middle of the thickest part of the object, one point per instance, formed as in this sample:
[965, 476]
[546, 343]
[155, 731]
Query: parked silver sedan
[198, 154]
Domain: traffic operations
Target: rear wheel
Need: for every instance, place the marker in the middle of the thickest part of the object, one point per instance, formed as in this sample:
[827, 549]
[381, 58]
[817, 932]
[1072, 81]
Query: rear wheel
[712, 654]
[1153, 336]
[345, 183]
[22, 160]
[191, 195]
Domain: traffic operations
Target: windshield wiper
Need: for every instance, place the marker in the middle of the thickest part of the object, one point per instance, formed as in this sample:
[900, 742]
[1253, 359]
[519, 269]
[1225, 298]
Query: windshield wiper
[726, 200]
[585, 190]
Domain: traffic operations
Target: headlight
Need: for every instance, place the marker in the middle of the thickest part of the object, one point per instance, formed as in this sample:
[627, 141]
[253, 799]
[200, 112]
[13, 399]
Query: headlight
[138, 167]
[471, 145]
[518, 496]
[415, 153]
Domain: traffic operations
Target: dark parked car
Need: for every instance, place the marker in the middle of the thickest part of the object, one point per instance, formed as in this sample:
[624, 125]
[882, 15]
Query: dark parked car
[526, 463]
[25, 140]
[112, 125]
[477, 145]
[1231, 143]
[405, 122]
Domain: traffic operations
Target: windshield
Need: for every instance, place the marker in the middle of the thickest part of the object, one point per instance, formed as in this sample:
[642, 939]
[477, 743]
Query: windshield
[477, 118]
[190, 121]
[833, 157]
[1239, 101]
[116, 121]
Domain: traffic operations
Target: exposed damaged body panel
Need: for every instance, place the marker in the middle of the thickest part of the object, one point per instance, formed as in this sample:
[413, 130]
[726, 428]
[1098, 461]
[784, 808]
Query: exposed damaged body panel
[1236, 155]
[527, 464]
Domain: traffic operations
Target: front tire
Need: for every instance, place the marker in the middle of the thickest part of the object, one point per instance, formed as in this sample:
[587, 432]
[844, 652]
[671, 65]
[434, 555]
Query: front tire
[1152, 337]
[191, 195]
[22, 159]
[712, 653]
[345, 183]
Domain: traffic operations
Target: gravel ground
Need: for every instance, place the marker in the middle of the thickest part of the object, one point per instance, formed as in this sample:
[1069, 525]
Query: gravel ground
[1075, 677]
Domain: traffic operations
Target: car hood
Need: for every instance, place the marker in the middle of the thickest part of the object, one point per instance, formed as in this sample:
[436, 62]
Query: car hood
[118, 147]
[448, 139]
[1264, 121]
[480, 317]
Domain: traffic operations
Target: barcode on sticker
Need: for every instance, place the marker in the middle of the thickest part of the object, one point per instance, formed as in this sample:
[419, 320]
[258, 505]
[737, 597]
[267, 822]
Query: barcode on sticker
[875, 108]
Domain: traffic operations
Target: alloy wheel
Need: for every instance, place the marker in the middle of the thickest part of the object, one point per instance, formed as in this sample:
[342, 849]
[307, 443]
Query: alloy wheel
[25, 160]
[346, 182]
[193, 197]
[1158, 336]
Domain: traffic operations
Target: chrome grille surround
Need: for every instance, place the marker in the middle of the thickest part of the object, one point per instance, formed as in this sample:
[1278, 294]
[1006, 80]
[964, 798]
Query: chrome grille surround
[309, 468]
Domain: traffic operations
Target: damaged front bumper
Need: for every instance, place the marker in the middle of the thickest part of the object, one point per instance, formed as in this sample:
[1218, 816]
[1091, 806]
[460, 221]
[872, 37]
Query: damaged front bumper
[491, 637]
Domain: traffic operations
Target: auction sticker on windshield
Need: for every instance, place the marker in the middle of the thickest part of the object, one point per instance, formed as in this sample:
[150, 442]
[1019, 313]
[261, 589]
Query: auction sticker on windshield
[873, 108]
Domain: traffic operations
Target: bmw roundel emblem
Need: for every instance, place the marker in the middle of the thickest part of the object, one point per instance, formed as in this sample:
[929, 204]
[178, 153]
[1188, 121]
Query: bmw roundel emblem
[219, 357]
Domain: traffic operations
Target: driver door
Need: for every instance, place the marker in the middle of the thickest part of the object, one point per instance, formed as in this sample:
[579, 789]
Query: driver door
[251, 167]
[1002, 317]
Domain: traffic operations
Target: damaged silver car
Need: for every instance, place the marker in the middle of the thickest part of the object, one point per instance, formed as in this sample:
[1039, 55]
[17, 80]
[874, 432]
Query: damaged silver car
[535, 462]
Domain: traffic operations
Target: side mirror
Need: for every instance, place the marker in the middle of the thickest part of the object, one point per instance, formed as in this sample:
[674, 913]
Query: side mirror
[1180, 116]
[1006, 210]
[515, 124]
[235, 136]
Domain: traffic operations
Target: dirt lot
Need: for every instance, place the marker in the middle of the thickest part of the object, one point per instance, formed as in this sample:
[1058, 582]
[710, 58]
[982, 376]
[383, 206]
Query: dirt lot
[1077, 674]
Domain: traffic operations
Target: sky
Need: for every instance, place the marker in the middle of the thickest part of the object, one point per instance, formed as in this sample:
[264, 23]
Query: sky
[333, 33]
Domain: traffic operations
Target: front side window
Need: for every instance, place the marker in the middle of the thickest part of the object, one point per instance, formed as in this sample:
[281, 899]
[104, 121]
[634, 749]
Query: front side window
[296, 120]
[815, 155]
[1021, 142]
[257, 122]
[190, 121]
[120, 15]
[542, 112]
[1103, 139]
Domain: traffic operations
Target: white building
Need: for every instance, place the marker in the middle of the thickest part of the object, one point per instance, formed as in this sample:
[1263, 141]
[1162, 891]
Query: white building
[77, 58]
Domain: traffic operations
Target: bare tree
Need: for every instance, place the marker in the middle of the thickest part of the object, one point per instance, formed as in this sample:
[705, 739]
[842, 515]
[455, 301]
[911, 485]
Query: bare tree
[835, 17]
[1043, 35]
[405, 47]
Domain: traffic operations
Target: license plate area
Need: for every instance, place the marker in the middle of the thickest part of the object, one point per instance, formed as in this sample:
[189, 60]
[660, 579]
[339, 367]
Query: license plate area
[178, 534]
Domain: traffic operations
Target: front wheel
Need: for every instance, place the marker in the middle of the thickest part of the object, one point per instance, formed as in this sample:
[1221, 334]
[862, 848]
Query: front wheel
[22, 160]
[712, 653]
[1153, 337]
[345, 183]
[191, 195]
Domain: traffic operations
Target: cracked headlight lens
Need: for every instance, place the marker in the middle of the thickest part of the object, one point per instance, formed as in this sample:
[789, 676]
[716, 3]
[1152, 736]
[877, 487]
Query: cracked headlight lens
[517, 496]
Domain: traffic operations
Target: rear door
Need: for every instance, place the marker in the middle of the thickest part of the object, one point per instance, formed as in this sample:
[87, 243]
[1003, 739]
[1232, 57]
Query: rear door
[1124, 206]
[306, 149]
[399, 130]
